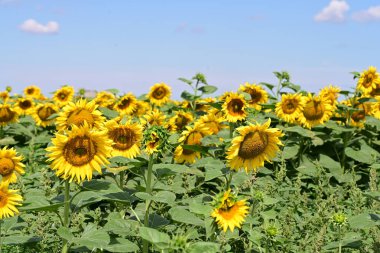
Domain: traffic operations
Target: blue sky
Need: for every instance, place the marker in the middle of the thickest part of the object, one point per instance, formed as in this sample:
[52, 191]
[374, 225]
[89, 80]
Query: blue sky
[130, 45]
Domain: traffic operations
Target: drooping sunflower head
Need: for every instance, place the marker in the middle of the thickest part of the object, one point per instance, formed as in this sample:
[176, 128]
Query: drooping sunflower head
[4, 96]
[368, 80]
[77, 153]
[64, 95]
[212, 122]
[24, 106]
[257, 93]
[105, 99]
[78, 113]
[32, 91]
[126, 105]
[155, 139]
[191, 136]
[10, 165]
[253, 145]
[159, 94]
[42, 114]
[290, 107]
[229, 212]
[358, 117]
[331, 94]
[126, 138]
[179, 121]
[154, 118]
[142, 108]
[317, 110]
[9, 199]
[375, 109]
[234, 108]
[375, 92]
[7, 114]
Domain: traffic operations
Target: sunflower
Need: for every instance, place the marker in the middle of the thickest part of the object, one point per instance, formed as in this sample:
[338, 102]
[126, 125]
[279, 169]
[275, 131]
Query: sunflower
[142, 108]
[105, 99]
[191, 136]
[126, 104]
[317, 110]
[234, 107]
[126, 138]
[179, 121]
[375, 109]
[229, 212]
[24, 106]
[254, 145]
[358, 117]
[32, 91]
[80, 152]
[290, 107]
[154, 118]
[42, 112]
[155, 139]
[78, 113]
[159, 94]
[331, 94]
[10, 163]
[257, 93]
[375, 91]
[212, 122]
[7, 114]
[64, 95]
[9, 199]
[368, 80]
[4, 95]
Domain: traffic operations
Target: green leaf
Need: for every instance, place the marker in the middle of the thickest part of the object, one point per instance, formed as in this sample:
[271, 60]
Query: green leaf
[65, 233]
[268, 85]
[188, 96]
[93, 238]
[189, 82]
[207, 89]
[200, 208]
[361, 221]
[358, 155]
[290, 151]
[204, 247]
[7, 140]
[332, 165]
[182, 215]
[159, 239]
[110, 114]
[213, 173]
[121, 245]
[20, 239]
[166, 197]
[117, 225]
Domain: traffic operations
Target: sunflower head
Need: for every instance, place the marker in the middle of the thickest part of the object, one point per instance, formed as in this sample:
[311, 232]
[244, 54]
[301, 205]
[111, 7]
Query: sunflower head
[9, 199]
[290, 107]
[64, 95]
[142, 108]
[24, 106]
[32, 91]
[42, 114]
[105, 99]
[126, 138]
[159, 94]
[234, 108]
[153, 118]
[375, 109]
[78, 113]
[80, 152]
[10, 163]
[126, 104]
[317, 110]
[368, 80]
[155, 139]
[212, 122]
[257, 93]
[4, 96]
[254, 145]
[331, 94]
[179, 121]
[229, 212]
[7, 114]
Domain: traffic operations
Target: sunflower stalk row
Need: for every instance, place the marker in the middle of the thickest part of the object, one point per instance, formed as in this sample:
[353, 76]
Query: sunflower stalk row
[265, 168]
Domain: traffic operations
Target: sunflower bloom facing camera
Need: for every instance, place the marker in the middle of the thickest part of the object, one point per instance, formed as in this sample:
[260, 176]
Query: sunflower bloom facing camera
[368, 80]
[234, 107]
[254, 145]
[78, 154]
[10, 165]
[7, 114]
[63, 95]
[229, 212]
[42, 114]
[317, 110]
[257, 93]
[159, 94]
[9, 199]
[126, 104]
[290, 107]
[32, 91]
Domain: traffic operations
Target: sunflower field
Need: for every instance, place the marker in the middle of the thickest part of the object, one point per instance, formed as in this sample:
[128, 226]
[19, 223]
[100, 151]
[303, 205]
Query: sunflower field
[263, 168]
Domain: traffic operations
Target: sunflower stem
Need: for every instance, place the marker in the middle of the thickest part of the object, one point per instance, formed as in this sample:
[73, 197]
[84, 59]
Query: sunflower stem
[229, 180]
[121, 182]
[148, 190]
[340, 240]
[66, 213]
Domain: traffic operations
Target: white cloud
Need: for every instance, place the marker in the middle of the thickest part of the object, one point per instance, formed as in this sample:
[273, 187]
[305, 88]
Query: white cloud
[334, 12]
[371, 14]
[32, 26]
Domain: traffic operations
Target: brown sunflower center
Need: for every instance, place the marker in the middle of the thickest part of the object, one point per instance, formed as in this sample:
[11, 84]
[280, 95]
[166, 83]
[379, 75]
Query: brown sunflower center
[368, 79]
[26, 104]
[124, 103]
[376, 91]
[254, 144]
[255, 97]
[6, 166]
[289, 106]
[124, 138]
[313, 110]
[6, 114]
[62, 96]
[181, 121]
[235, 107]
[159, 93]
[3, 199]
[78, 116]
[79, 150]
[45, 112]
[193, 139]
[30, 91]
